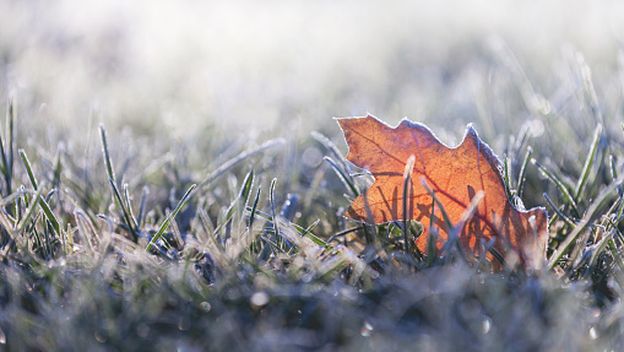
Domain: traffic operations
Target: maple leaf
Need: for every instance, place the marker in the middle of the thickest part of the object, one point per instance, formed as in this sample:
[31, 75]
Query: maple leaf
[456, 177]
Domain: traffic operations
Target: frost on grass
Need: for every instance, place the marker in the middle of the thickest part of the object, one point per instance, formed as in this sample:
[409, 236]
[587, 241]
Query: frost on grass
[105, 244]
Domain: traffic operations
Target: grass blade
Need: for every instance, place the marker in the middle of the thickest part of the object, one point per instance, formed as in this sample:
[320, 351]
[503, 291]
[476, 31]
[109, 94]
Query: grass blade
[107, 158]
[129, 207]
[246, 188]
[272, 202]
[589, 216]
[128, 216]
[29, 171]
[567, 197]
[124, 212]
[254, 207]
[588, 163]
[237, 159]
[165, 224]
[6, 151]
[342, 176]
[522, 173]
[407, 181]
[49, 214]
[142, 205]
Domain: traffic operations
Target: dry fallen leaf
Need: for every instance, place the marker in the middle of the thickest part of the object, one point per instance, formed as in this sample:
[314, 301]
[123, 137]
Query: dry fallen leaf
[456, 176]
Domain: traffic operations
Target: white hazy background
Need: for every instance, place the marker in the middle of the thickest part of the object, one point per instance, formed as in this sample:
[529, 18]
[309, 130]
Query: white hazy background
[288, 66]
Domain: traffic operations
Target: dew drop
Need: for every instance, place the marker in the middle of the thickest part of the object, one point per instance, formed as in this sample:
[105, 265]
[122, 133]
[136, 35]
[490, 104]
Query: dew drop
[259, 299]
[487, 325]
[99, 337]
[593, 334]
[367, 329]
[205, 306]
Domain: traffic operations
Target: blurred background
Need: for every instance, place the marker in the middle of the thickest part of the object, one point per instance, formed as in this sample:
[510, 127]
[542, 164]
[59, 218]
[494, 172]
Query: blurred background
[180, 66]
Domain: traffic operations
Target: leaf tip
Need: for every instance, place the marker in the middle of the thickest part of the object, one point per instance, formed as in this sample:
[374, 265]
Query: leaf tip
[471, 133]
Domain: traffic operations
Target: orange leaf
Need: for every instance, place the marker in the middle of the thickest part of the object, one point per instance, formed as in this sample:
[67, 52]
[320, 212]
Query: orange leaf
[454, 175]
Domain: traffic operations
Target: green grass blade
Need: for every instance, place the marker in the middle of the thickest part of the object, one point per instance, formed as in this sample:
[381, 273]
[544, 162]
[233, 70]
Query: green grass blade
[588, 163]
[226, 166]
[246, 188]
[254, 207]
[273, 207]
[29, 212]
[307, 232]
[507, 176]
[165, 224]
[346, 180]
[567, 197]
[129, 207]
[124, 212]
[588, 218]
[614, 173]
[129, 218]
[142, 206]
[557, 211]
[29, 171]
[11, 134]
[58, 168]
[49, 214]
[447, 219]
[6, 150]
[522, 173]
[330, 146]
[106, 153]
[407, 182]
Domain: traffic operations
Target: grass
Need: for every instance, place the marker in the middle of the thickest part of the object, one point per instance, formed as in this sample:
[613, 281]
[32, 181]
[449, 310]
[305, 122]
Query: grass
[231, 266]
[210, 243]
